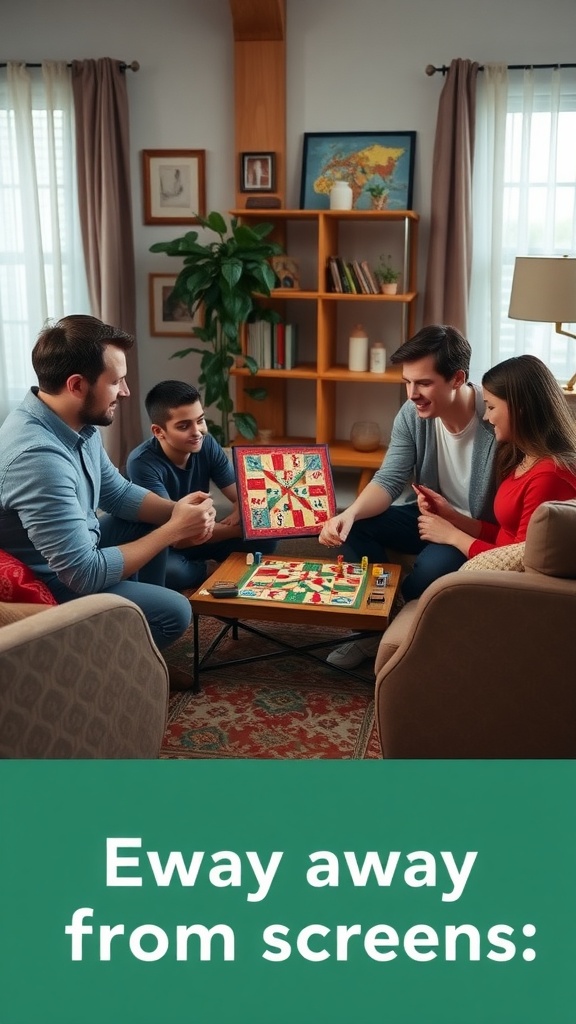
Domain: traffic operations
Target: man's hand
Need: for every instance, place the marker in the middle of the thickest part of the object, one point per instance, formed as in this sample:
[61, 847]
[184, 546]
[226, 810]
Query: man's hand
[232, 519]
[193, 517]
[336, 530]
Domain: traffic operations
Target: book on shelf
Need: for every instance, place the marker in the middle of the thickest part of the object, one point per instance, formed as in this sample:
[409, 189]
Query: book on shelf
[346, 287]
[272, 346]
[355, 280]
[365, 266]
[364, 286]
[334, 275]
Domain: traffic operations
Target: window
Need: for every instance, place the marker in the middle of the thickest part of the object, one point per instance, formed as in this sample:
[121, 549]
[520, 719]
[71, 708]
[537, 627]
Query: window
[41, 259]
[524, 205]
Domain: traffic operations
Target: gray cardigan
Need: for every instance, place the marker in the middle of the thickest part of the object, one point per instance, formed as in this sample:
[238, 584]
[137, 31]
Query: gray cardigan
[413, 455]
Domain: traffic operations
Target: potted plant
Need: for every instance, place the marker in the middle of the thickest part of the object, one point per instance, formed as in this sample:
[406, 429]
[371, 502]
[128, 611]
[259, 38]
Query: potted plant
[379, 195]
[225, 278]
[386, 276]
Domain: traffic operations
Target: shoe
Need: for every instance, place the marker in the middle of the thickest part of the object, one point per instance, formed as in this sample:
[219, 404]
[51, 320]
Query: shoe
[179, 679]
[352, 654]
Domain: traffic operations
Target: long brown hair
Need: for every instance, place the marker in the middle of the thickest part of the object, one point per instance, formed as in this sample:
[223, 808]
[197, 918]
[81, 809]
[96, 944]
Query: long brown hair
[540, 421]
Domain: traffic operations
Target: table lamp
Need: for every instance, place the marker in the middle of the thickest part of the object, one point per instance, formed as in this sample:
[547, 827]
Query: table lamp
[544, 290]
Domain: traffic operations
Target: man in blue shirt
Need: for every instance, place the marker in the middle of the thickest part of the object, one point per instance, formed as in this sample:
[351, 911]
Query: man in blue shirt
[55, 476]
[180, 458]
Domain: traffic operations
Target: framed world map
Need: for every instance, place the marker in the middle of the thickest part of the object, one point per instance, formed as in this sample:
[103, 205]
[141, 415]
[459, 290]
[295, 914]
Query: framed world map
[378, 166]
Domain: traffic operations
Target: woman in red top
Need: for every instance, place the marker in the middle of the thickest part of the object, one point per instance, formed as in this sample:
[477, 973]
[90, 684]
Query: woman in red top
[535, 462]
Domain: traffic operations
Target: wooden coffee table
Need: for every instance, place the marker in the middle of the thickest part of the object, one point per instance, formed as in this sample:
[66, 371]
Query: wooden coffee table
[236, 612]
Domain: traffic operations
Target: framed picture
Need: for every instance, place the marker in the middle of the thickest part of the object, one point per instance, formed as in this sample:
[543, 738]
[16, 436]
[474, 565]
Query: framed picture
[174, 182]
[257, 172]
[168, 318]
[378, 166]
[283, 490]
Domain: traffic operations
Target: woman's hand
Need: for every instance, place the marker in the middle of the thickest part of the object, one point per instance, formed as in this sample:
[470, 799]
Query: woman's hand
[431, 501]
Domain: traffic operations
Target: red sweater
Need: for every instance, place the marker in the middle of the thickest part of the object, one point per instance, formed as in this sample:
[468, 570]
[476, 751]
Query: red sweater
[517, 498]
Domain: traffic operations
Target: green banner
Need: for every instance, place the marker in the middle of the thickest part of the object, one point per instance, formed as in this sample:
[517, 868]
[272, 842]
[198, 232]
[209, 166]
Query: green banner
[261, 892]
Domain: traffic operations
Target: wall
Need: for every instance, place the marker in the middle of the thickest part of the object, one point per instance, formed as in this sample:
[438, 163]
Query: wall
[350, 66]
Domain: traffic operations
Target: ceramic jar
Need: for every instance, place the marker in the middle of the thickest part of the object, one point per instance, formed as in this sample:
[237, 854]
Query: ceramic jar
[340, 196]
[365, 436]
[358, 350]
[377, 358]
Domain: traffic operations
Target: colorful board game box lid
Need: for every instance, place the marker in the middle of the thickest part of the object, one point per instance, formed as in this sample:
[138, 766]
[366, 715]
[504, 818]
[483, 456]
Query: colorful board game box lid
[283, 490]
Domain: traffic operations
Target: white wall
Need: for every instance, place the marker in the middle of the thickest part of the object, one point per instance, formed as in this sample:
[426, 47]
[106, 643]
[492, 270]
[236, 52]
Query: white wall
[350, 66]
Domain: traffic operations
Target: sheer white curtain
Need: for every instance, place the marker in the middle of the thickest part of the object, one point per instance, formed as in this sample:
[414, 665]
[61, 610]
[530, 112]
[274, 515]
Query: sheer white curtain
[524, 203]
[41, 258]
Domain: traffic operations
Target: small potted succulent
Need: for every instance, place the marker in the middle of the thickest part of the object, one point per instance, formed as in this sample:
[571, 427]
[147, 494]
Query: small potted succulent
[378, 194]
[386, 276]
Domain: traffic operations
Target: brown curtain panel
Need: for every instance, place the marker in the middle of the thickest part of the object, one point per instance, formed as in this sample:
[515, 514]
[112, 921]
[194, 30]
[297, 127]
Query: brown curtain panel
[450, 247]
[103, 162]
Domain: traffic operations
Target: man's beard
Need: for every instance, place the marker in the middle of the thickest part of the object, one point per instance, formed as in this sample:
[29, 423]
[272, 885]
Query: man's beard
[91, 416]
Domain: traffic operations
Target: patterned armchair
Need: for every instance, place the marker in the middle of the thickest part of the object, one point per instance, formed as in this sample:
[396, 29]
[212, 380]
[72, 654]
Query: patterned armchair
[80, 680]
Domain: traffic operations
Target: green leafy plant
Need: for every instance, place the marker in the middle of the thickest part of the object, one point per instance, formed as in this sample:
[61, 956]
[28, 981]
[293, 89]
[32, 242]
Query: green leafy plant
[376, 190]
[226, 278]
[385, 272]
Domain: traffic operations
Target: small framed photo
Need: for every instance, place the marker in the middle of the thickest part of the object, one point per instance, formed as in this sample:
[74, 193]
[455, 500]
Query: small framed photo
[169, 319]
[257, 172]
[287, 272]
[174, 182]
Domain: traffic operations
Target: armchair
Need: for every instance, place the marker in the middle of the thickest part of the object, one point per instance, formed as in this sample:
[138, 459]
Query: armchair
[481, 666]
[80, 680]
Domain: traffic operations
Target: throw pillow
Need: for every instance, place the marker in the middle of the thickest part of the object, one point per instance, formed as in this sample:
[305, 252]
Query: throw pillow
[18, 583]
[509, 557]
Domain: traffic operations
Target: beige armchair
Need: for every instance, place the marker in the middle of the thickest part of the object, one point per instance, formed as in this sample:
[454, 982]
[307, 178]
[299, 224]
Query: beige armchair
[481, 666]
[80, 680]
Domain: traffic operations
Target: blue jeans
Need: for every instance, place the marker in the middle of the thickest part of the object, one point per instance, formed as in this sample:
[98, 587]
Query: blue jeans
[167, 613]
[186, 567]
[397, 528]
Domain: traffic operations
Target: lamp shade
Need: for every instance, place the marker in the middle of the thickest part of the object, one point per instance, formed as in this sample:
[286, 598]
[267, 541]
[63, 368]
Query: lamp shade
[544, 289]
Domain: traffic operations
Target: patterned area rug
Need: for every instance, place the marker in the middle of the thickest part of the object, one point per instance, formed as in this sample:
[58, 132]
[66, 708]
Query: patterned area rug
[286, 707]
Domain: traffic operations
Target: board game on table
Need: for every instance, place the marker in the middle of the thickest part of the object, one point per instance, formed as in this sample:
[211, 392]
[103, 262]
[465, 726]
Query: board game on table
[313, 582]
[363, 615]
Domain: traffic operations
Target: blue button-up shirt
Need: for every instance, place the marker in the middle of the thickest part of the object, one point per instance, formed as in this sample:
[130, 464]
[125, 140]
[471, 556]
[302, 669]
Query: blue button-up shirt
[52, 481]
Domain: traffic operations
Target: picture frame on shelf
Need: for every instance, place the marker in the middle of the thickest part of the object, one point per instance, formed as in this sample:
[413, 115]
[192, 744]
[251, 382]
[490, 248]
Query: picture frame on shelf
[378, 166]
[257, 172]
[287, 271]
[168, 319]
[174, 185]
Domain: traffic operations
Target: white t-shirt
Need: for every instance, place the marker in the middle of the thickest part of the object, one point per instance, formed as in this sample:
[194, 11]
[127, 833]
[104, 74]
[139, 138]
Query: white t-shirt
[455, 463]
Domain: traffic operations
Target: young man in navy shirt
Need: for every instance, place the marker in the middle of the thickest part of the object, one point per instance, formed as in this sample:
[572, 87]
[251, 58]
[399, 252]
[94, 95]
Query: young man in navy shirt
[179, 457]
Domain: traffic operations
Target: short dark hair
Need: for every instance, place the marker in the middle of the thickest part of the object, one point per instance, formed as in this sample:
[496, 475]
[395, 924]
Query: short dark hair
[169, 395]
[74, 344]
[449, 348]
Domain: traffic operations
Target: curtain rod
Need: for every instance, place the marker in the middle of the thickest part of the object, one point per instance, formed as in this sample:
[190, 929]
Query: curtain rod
[134, 66]
[431, 70]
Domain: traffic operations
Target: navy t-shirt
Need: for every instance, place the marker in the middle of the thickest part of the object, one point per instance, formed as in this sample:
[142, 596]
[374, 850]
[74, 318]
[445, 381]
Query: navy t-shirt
[148, 466]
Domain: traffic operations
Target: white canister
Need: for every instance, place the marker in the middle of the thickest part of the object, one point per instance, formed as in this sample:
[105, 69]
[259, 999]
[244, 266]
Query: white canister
[358, 350]
[340, 196]
[377, 358]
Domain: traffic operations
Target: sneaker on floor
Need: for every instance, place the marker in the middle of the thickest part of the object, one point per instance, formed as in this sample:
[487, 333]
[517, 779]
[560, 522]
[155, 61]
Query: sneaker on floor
[352, 654]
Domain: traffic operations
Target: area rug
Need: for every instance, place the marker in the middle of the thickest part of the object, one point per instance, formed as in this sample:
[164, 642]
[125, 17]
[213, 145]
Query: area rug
[284, 708]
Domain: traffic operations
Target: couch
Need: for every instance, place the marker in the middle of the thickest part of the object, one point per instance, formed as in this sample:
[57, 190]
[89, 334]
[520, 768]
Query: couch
[481, 665]
[80, 680]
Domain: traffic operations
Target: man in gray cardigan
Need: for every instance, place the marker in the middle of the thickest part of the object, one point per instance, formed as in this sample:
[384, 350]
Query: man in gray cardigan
[439, 439]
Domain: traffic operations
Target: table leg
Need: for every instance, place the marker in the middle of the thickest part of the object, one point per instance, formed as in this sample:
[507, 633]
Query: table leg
[196, 662]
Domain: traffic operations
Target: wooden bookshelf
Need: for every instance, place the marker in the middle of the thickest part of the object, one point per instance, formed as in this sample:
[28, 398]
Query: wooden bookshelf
[327, 369]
